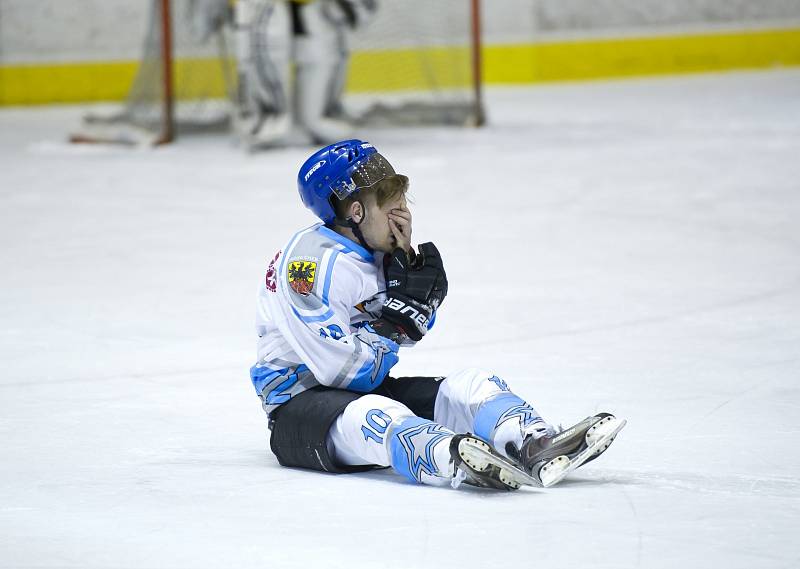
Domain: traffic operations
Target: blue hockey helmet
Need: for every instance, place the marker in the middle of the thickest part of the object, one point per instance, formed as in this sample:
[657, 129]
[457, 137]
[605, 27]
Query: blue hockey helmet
[340, 169]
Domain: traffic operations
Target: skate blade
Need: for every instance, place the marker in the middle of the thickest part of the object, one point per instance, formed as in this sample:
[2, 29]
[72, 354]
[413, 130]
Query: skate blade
[599, 437]
[478, 455]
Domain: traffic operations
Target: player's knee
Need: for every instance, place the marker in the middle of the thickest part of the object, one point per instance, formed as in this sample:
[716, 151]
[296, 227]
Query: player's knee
[471, 386]
[371, 401]
[475, 373]
[472, 376]
[376, 413]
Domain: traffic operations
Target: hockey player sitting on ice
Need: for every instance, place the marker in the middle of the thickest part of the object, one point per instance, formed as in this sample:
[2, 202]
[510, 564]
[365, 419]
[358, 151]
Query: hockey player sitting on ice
[337, 304]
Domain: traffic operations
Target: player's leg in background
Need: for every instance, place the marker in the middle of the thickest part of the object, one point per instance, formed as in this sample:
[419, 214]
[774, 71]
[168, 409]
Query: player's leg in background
[334, 108]
[321, 58]
[381, 431]
[206, 17]
[263, 36]
[476, 401]
[346, 16]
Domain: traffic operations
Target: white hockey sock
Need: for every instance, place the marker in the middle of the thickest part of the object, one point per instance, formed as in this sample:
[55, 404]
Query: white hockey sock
[420, 451]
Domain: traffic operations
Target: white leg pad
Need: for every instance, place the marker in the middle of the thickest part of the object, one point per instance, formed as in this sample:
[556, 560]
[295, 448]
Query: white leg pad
[361, 433]
[460, 396]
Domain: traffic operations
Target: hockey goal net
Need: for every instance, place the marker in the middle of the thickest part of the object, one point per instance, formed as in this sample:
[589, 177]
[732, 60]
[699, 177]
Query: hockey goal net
[416, 62]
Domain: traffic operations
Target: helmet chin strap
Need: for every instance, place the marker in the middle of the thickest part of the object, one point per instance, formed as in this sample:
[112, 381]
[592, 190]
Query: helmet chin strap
[354, 227]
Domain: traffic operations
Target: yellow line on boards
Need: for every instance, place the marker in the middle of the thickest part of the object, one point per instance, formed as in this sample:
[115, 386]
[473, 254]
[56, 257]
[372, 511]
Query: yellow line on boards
[399, 69]
[65, 83]
[593, 59]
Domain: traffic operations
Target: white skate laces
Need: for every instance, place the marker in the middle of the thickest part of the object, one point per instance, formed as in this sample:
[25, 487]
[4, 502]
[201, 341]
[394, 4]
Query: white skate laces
[538, 429]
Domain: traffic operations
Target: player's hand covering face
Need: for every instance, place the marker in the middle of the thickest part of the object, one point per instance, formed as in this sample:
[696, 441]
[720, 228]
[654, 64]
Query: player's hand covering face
[400, 226]
[389, 226]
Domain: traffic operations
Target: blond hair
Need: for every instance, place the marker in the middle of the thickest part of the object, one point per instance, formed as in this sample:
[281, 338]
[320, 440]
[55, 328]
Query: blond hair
[383, 191]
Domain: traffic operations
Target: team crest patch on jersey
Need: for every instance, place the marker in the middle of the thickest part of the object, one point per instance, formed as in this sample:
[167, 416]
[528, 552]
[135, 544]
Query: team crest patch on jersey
[301, 276]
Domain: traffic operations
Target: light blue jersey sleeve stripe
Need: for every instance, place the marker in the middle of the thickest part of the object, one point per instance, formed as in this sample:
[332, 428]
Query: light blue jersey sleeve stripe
[349, 246]
[328, 274]
[375, 370]
[309, 319]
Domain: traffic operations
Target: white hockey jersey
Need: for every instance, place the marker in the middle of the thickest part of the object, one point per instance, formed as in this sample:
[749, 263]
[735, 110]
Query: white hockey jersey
[312, 318]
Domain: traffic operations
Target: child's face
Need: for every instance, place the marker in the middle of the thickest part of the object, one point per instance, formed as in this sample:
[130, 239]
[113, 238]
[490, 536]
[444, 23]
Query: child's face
[375, 227]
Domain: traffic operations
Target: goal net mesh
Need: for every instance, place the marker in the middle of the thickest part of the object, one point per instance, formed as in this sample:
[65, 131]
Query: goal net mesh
[412, 64]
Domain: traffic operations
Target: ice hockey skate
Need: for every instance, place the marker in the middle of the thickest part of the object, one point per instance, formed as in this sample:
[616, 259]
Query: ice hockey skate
[550, 458]
[262, 129]
[478, 464]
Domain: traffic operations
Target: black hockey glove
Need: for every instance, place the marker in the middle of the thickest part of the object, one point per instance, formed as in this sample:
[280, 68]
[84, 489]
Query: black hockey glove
[414, 290]
[426, 281]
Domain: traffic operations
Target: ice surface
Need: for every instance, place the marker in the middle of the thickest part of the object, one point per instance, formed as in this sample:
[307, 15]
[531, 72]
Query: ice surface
[627, 246]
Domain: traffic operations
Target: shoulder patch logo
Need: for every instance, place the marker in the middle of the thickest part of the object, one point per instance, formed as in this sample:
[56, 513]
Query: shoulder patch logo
[301, 276]
[271, 280]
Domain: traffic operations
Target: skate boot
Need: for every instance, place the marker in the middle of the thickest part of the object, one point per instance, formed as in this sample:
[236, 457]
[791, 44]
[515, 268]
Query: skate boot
[478, 464]
[550, 458]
